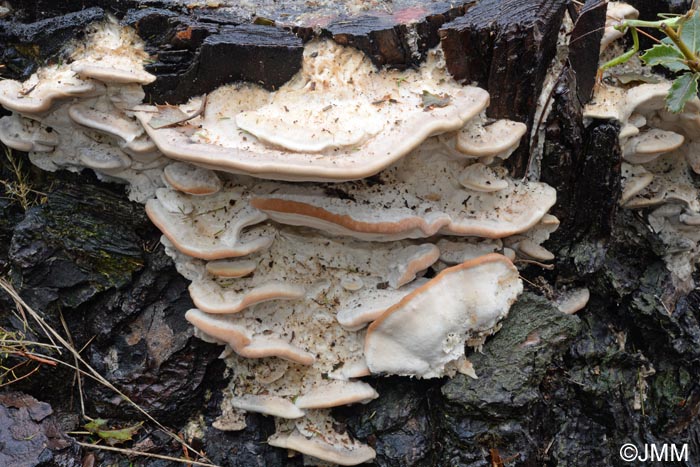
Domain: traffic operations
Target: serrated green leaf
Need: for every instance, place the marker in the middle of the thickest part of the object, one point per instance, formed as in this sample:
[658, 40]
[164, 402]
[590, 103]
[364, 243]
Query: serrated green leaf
[666, 56]
[682, 90]
[690, 32]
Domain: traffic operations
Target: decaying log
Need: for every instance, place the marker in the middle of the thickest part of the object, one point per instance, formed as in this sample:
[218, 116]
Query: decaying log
[92, 255]
[583, 164]
[388, 39]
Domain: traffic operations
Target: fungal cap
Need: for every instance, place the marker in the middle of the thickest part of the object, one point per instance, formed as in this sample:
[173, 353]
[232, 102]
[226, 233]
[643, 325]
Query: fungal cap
[198, 239]
[498, 139]
[192, 180]
[651, 144]
[479, 177]
[334, 453]
[245, 344]
[571, 301]
[268, 405]
[111, 74]
[336, 393]
[210, 298]
[426, 329]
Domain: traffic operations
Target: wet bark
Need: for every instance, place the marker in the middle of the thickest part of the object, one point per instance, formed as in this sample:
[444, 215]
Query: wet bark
[506, 47]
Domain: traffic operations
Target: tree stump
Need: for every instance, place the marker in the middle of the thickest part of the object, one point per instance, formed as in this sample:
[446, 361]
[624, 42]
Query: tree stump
[554, 389]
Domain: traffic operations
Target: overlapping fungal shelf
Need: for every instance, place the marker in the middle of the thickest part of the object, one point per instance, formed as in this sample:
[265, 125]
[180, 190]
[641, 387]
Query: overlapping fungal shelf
[78, 114]
[661, 157]
[355, 222]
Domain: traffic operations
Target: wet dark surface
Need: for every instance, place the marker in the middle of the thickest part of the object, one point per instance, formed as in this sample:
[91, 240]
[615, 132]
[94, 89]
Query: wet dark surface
[506, 47]
[196, 48]
[30, 435]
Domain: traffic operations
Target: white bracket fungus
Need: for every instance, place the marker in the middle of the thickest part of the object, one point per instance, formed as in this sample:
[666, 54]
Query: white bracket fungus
[661, 156]
[419, 197]
[426, 329]
[191, 180]
[413, 162]
[487, 142]
[37, 95]
[337, 119]
[648, 146]
[210, 229]
[571, 301]
[26, 135]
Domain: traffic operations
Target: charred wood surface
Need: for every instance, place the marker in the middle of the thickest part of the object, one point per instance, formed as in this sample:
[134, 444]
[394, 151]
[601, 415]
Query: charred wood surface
[584, 45]
[198, 49]
[258, 54]
[388, 39]
[506, 47]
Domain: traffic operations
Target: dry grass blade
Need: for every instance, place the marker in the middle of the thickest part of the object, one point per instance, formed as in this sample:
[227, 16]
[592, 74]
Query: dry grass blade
[132, 452]
[16, 344]
[77, 373]
[19, 189]
[90, 371]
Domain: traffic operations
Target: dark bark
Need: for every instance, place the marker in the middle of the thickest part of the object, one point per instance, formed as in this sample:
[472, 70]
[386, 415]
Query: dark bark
[94, 257]
[257, 54]
[506, 47]
[23, 46]
[584, 45]
[386, 38]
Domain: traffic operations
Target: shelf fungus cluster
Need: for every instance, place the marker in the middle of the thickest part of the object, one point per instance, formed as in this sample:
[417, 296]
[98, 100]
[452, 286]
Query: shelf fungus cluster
[354, 222]
[661, 158]
[78, 113]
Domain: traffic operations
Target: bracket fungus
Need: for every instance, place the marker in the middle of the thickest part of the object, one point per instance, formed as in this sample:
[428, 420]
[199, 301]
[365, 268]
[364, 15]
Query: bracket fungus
[191, 180]
[487, 142]
[660, 150]
[398, 264]
[210, 230]
[76, 114]
[26, 135]
[425, 331]
[420, 196]
[337, 119]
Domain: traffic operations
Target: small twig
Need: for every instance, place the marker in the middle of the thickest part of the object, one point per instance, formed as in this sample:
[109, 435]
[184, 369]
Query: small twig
[31, 356]
[7, 287]
[644, 33]
[536, 263]
[690, 58]
[34, 370]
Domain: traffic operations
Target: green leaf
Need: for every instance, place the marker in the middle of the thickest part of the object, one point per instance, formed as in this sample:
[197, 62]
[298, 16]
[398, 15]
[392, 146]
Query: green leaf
[690, 32]
[666, 56]
[112, 437]
[682, 90]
